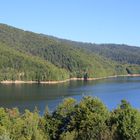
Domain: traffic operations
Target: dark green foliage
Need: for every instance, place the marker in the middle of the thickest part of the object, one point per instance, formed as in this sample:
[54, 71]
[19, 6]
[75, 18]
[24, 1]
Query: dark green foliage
[87, 120]
[126, 121]
[29, 56]
[120, 53]
[15, 65]
[133, 69]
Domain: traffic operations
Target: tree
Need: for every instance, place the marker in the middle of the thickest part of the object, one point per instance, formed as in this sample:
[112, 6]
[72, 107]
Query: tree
[127, 122]
[89, 119]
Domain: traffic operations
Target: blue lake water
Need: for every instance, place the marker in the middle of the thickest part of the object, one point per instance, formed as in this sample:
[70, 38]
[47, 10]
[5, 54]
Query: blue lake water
[109, 91]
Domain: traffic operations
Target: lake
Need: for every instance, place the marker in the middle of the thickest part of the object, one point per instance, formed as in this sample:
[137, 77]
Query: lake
[109, 91]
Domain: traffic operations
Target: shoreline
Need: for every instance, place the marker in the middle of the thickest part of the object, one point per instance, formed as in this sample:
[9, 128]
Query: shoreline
[67, 80]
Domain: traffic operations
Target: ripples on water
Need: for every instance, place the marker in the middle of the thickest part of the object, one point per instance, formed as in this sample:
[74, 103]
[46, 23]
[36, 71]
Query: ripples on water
[110, 91]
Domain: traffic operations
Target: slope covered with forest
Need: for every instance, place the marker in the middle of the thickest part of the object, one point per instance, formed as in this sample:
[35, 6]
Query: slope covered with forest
[15, 65]
[29, 56]
[118, 52]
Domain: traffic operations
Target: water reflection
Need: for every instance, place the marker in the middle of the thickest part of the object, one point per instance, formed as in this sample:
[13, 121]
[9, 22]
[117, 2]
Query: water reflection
[110, 91]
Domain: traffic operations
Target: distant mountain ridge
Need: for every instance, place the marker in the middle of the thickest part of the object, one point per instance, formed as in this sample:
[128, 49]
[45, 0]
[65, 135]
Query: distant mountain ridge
[30, 56]
[118, 52]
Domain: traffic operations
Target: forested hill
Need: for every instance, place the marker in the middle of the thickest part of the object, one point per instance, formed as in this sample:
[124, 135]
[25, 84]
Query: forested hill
[26, 55]
[118, 52]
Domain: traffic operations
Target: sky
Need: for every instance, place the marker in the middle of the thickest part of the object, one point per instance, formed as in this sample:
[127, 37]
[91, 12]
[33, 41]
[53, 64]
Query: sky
[95, 21]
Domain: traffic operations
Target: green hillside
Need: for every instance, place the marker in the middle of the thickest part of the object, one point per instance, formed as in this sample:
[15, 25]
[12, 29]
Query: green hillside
[26, 55]
[15, 65]
[118, 52]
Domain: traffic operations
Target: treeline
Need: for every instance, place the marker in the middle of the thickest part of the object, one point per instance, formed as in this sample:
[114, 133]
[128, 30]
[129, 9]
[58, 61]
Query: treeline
[87, 120]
